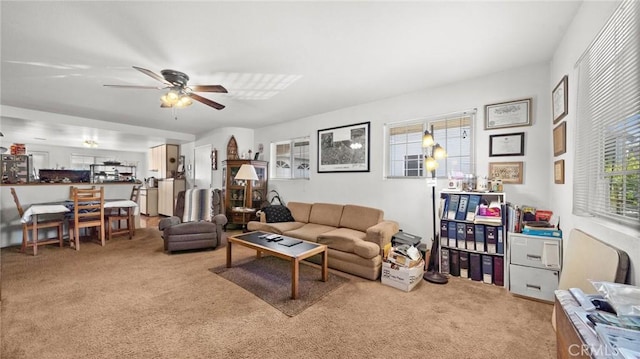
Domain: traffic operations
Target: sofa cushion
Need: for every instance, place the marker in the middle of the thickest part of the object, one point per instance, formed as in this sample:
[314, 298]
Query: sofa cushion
[309, 231]
[275, 214]
[366, 249]
[300, 211]
[360, 218]
[342, 239]
[277, 228]
[326, 213]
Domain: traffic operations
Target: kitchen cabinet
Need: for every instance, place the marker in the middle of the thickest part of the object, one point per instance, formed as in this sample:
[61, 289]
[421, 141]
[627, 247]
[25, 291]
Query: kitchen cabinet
[149, 201]
[163, 159]
[233, 190]
[168, 190]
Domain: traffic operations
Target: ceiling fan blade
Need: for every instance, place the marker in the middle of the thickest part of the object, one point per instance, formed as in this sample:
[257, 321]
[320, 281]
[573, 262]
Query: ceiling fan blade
[206, 101]
[136, 87]
[153, 75]
[209, 88]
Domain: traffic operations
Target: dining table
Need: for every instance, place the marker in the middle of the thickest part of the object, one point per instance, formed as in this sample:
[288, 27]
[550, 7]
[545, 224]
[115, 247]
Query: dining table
[66, 207]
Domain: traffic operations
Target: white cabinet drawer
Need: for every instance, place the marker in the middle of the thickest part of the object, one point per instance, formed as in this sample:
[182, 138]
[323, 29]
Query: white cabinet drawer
[533, 282]
[535, 251]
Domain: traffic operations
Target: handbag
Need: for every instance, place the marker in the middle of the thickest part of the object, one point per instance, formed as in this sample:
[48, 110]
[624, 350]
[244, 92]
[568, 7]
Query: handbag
[275, 211]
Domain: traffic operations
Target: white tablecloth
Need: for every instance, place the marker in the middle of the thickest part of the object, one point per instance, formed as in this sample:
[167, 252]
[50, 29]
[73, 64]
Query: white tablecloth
[59, 208]
[42, 209]
[123, 203]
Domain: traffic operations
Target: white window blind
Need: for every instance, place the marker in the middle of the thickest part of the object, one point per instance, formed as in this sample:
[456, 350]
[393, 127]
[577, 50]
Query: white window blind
[454, 132]
[607, 169]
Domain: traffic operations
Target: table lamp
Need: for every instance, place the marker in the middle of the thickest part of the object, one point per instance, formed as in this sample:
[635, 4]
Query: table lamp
[246, 173]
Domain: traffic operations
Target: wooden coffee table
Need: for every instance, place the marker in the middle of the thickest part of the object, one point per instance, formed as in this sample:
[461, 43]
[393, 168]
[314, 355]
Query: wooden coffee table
[294, 253]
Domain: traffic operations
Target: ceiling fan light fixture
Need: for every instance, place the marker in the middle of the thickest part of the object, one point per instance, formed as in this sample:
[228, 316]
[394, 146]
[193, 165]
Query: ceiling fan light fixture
[184, 101]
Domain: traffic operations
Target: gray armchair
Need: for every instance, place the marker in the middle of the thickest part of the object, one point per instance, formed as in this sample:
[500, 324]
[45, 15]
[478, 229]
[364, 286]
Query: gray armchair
[201, 226]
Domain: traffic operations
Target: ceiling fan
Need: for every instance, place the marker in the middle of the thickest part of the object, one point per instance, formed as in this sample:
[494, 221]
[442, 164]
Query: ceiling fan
[179, 94]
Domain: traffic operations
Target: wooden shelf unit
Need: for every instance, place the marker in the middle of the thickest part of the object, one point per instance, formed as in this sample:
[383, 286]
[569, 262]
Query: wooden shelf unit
[233, 191]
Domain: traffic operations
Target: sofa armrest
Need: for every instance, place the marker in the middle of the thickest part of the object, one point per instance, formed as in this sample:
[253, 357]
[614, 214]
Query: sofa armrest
[168, 222]
[191, 228]
[381, 233]
[220, 219]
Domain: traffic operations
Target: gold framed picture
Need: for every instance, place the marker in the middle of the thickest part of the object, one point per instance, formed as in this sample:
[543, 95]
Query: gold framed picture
[508, 172]
[560, 139]
[558, 171]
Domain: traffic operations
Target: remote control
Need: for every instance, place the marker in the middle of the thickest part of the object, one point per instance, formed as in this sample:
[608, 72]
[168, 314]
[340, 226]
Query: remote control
[581, 298]
[273, 236]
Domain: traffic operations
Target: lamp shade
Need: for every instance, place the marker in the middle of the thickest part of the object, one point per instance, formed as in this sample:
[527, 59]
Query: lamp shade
[427, 139]
[439, 152]
[247, 172]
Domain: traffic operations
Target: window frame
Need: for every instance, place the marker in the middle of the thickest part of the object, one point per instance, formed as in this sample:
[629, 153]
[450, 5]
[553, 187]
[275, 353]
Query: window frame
[428, 123]
[275, 159]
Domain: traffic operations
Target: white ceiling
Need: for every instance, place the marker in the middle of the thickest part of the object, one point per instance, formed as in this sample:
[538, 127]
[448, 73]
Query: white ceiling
[280, 61]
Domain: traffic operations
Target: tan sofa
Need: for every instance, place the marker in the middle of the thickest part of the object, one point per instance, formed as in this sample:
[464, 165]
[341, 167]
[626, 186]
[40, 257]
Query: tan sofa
[355, 235]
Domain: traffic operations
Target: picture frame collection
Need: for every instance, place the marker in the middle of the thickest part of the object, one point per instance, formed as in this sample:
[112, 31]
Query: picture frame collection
[518, 113]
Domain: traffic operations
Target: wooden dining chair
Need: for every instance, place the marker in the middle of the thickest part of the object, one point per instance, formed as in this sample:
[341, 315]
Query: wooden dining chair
[115, 216]
[28, 227]
[88, 212]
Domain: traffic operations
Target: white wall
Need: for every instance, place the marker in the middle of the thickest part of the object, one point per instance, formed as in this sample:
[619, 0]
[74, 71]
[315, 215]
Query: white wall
[408, 201]
[588, 22]
[218, 139]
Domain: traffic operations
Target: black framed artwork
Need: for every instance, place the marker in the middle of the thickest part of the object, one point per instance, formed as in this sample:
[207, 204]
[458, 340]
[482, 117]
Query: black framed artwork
[508, 144]
[344, 148]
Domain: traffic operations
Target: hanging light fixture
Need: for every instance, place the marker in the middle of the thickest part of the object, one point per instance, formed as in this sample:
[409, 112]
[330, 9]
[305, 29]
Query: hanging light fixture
[175, 98]
[90, 143]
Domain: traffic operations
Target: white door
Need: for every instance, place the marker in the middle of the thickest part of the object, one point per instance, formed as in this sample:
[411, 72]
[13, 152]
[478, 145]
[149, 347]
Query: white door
[202, 171]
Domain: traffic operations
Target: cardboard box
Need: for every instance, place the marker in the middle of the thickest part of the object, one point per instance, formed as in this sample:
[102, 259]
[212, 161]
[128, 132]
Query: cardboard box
[401, 259]
[400, 277]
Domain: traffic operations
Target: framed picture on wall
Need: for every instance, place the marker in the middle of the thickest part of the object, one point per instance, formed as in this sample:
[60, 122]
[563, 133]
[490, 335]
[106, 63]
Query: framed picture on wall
[558, 172]
[344, 148]
[507, 114]
[508, 172]
[559, 100]
[560, 139]
[508, 144]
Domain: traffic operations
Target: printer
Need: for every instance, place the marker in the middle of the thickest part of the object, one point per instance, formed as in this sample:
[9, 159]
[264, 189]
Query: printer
[405, 238]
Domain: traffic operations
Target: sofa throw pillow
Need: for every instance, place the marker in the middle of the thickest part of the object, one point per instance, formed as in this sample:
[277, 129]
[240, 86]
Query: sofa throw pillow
[278, 213]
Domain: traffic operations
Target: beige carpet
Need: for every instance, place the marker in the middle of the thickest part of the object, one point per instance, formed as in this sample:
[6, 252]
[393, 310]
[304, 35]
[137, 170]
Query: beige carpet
[269, 278]
[131, 300]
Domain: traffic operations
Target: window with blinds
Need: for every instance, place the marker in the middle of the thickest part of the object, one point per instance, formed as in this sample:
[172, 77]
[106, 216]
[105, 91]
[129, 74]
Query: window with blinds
[607, 167]
[290, 159]
[453, 132]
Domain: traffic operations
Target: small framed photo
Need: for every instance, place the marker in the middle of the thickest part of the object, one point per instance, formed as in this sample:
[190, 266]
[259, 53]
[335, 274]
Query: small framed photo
[507, 114]
[560, 139]
[558, 172]
[214, 159]
[508, 172]
[508, 144]
[559, 100]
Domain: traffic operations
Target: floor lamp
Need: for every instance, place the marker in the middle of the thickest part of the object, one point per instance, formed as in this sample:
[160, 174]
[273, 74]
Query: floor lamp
[246, 173]
[433, 153]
